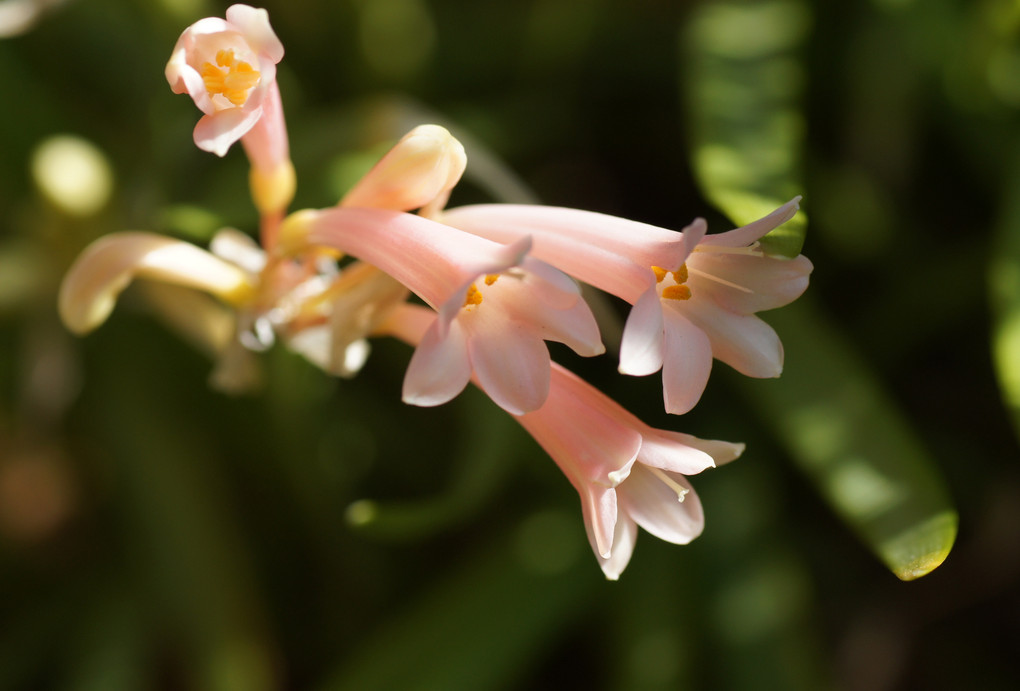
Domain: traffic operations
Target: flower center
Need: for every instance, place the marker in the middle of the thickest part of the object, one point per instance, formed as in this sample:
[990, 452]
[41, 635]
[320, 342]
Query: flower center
[474, 296]
[677, 289]
[232, 78]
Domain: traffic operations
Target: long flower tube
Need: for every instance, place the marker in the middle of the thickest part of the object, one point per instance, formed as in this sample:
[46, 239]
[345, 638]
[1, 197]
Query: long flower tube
[495, 304]
[694, 295]
[626, 473]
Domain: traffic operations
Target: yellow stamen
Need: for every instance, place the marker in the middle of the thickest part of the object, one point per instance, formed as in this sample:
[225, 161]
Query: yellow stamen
[234, 81]
[473, 297]
[490, 279]
[677, 292]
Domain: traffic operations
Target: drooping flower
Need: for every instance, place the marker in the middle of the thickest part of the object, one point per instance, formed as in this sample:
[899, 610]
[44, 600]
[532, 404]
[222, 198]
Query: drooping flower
[495, 304]
[626, 473]
[694, 296]
[228, 67]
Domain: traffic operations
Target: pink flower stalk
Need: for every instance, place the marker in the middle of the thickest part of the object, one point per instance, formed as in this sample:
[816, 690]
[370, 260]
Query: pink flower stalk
[694, 296]
[627, 473]
[495, 304]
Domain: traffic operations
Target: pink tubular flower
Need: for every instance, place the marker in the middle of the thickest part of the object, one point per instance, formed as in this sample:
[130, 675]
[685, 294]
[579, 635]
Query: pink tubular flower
[496, 305]
[627, 473]
[694, 296]
[228, 67]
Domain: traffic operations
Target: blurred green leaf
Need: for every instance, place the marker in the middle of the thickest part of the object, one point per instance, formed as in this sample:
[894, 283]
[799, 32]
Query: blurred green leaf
[481, 625]
[743, 81]
[845, 432]
[1004, 283]
[481, 465]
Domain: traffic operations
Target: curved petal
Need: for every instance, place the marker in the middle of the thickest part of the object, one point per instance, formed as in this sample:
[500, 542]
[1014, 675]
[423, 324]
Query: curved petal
[551, 303]
[623, 547]
[439, 368]
[744, 342]
[754, 231]
[91, 286]
[722, 452]
[600, 513]
[510, 363]
[254, 25]
[747, 283]
[216, 132]
[687, 362]
[654, 505]
[673, 451]
[641, 351]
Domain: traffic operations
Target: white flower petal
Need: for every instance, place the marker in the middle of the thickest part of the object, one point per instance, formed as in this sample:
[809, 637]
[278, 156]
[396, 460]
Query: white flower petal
[641, 351]
[510, 363]
[687, 362]
[216, 132]
[439, 368]
[624, 540]
[655, 506]
[744, 342]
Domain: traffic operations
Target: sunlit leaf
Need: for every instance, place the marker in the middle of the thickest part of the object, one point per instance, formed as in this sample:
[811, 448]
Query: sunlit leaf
[845, 433]
[743, 81]
[1004, 280]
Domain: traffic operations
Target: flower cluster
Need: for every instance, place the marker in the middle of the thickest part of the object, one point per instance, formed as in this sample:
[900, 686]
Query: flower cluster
[496, 280]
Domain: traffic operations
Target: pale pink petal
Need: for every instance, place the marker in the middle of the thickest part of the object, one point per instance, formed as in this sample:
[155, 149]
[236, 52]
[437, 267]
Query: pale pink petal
[722, 452]
[439, 368]
[97, 277]
[623, 547]
[752, 232]
[744, 342]
[254, 25]
[550, 300]
[687, 362]
[600, 513]
[641, 351]
[217, 132]
[509, 362]
[675, 452]
[746, 284]
[656, 507]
